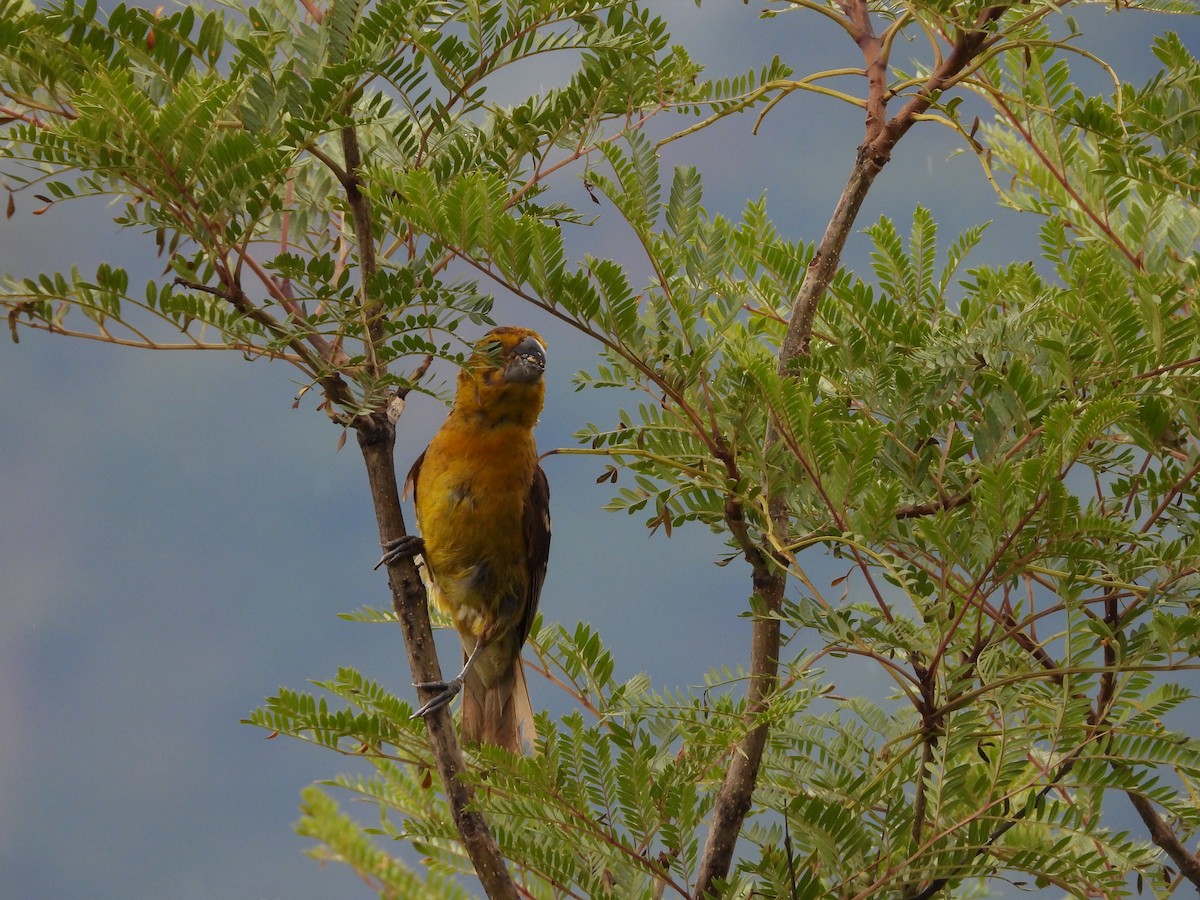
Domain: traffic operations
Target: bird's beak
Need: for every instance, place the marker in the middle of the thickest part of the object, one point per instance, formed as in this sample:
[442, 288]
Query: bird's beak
[526, 363]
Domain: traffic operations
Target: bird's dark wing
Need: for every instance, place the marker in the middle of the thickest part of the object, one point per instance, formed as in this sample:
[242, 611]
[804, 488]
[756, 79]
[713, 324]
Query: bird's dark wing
[410, 480]
[537, 545]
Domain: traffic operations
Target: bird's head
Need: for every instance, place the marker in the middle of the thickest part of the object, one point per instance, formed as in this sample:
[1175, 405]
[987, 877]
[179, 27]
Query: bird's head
[502, 380]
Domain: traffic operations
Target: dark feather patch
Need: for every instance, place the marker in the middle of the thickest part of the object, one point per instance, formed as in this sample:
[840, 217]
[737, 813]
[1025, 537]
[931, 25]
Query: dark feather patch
[410, 481]
[537, 545]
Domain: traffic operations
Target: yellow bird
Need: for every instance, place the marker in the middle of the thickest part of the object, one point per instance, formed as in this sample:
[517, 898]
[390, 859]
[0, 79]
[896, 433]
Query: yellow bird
[483, 509]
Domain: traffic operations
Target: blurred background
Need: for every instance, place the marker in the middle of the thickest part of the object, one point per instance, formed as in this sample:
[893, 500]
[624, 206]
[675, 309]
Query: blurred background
[176, 541]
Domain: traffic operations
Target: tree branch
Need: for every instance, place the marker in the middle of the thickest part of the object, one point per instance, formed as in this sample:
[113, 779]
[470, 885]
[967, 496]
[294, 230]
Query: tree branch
[734, 797]
[1164, 836]
[942, 504]
[1061, 771]
[331, 382]
[376, 438]
[737, 788]
[1059, 172]
[769, 581]
[360, 208]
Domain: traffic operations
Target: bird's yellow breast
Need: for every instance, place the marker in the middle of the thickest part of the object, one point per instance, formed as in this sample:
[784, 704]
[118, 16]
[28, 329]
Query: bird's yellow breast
[471, 495]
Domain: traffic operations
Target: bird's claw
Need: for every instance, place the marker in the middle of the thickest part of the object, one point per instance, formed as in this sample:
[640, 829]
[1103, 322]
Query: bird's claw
[401, 547]
[446, 691]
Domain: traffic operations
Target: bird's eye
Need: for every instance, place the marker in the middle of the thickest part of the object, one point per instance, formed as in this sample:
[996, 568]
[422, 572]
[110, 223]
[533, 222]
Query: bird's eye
[493, 350]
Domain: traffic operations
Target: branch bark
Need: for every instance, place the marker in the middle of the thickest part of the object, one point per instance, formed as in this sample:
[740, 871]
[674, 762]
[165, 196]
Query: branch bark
[1164, 836]
[376, 439]
[737, 788]
[360, 208]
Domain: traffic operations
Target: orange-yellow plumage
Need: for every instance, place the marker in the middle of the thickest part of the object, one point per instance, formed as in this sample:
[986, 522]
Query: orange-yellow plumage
[483, 510]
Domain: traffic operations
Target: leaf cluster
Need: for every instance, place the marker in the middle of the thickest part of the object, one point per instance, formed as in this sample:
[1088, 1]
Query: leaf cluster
[224, 134]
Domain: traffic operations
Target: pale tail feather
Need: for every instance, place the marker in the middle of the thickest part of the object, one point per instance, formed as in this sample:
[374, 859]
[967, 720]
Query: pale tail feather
[501, 713]
[523, 708]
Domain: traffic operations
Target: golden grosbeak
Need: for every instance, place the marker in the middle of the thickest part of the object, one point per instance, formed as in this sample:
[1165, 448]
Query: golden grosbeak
[483, 509]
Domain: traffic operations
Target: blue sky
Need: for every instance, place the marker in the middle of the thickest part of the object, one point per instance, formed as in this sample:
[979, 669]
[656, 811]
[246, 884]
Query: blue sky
[176, 540]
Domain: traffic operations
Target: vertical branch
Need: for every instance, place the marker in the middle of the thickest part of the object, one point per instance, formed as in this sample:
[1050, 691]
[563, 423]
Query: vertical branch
[376, 439]
[931, 729]
[737, 788]
[828, 257]
[769, 579]
[873, 154]
[370, 308]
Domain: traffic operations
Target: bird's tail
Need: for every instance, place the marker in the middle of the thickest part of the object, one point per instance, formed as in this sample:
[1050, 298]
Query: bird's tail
[498, 710]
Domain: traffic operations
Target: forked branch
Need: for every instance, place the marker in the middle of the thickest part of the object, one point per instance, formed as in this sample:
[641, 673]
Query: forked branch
[881, 135]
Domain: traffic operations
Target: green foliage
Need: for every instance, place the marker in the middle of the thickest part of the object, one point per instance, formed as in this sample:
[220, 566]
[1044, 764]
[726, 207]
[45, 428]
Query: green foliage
[1006, 464]
[1120, 171]
[224, 133]
[1003, 459]
[998, 459]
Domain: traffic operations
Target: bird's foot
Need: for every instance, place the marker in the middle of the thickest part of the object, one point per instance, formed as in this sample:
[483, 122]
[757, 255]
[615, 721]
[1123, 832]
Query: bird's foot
[446, 691]
[394, 551]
